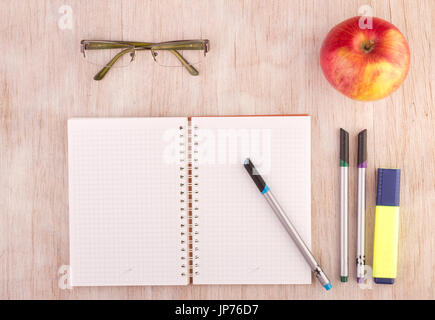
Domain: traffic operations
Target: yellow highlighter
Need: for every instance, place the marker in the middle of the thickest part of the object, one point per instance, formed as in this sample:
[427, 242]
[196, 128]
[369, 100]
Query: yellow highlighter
[386, 226]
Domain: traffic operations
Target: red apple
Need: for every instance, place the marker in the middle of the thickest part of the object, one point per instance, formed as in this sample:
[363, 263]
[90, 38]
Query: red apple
[365, 63]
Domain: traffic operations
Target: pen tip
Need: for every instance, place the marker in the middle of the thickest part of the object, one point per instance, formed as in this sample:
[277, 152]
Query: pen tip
[344, 132]
[328, 286]
[343, 279]
[344, 148]
[362, 149]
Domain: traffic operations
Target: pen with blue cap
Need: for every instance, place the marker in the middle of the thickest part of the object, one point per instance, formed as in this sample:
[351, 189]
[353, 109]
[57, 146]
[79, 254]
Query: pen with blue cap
[265, 191]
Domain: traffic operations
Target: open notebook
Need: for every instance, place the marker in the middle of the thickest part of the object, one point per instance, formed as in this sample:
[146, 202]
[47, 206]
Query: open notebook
[167, 201]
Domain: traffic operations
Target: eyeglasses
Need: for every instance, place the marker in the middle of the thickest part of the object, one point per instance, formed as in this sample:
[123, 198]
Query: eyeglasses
[180, 53]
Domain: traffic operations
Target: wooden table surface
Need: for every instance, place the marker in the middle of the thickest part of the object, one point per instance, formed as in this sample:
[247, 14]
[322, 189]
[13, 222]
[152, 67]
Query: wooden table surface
[264, 59]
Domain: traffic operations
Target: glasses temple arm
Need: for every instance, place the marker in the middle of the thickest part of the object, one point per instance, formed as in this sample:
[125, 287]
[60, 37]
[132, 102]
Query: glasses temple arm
[185, 63]
[100, 75]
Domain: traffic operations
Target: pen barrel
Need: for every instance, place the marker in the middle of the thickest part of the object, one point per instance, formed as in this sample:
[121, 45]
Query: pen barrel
[308, 256]
[321, 276]
[361, 208]
[344, 221]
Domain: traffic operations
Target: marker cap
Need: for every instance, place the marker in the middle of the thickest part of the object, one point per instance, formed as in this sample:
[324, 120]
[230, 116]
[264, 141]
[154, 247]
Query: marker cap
[328, 286]
[388, 190]
[344, 148]
[362, 149]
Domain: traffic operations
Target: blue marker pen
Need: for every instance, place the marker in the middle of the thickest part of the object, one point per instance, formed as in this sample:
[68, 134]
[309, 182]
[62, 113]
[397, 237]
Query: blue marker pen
[265, 190]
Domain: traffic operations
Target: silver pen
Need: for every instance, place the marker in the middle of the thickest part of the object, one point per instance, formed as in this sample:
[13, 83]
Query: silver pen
[361, 205]
[265, 190]
[344, 205]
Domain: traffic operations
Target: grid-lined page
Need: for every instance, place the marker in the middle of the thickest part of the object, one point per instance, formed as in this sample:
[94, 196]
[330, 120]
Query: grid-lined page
[240, 240]
[125, 198]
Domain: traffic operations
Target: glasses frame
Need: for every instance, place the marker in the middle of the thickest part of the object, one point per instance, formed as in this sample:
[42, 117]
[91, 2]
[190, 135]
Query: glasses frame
[132, 46]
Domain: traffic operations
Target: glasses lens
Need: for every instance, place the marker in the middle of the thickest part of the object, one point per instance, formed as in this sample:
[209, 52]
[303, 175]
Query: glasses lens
[168, 58]
[101, 57]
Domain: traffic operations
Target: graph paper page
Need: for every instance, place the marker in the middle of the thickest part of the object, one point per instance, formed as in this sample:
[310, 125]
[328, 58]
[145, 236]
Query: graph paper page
[124, 198]
[240, 240]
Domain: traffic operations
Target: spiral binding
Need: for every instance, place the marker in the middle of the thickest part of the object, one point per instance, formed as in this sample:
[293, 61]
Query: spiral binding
[194, 200]
[184, 198]
[189, 197]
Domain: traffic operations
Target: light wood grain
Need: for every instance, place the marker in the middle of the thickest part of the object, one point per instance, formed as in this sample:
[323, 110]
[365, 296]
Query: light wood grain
[264, 59]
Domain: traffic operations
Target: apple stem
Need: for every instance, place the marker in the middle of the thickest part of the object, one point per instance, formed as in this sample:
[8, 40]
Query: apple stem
[368, 46]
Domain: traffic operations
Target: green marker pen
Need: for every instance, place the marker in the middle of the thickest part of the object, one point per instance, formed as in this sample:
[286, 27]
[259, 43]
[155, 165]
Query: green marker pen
[344, 203]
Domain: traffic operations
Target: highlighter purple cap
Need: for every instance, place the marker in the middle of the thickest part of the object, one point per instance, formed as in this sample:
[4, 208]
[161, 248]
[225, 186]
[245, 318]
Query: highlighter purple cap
[388, 189]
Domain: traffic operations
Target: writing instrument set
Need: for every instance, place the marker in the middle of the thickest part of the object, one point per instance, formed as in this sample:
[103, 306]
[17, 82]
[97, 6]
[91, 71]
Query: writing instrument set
[386, 221]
